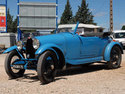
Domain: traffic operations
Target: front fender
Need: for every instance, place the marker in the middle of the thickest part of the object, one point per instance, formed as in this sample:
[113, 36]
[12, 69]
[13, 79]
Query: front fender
[109, 48]
[10, 49]
[45, 47]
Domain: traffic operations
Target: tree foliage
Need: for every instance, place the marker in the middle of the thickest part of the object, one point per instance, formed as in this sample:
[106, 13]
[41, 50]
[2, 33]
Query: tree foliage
[9, 21]
[67, 14]
[14, 29]
[84, 15]
[123, 27]
[11, 24]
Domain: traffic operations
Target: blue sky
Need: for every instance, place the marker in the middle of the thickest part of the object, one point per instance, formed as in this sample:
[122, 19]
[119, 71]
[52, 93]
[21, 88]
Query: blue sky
[99, 8]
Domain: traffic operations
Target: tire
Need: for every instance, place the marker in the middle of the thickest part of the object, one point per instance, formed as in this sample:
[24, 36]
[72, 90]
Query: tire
[9, 70]
[46, 69]
[115, 58]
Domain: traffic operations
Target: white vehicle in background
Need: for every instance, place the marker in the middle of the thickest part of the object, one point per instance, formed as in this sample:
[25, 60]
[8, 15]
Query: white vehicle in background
[119, 36]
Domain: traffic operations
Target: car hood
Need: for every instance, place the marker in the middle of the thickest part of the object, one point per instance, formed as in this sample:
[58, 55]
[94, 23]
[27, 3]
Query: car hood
[58, 39]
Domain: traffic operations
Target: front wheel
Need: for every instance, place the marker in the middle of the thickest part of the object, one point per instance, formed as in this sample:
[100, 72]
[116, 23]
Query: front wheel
[115, 58]
[46, 67]
[10, 59]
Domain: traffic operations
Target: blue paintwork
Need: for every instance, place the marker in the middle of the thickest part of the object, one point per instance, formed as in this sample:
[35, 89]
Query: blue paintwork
[84, 61]
[19, 62]
[25, 66]
[96, 49]
[13, 48]
[108, 50]
[76, 28]
[20, 54]
[24, 62]
[2, 4]
[10, 49]
[76, 49]
[45, 47]
[49, 58]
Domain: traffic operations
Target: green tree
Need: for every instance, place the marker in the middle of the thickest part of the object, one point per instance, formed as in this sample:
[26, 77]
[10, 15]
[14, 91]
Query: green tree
[84, 15]
[123, 27]
[9, 21]
[14, 28]
[66, 17]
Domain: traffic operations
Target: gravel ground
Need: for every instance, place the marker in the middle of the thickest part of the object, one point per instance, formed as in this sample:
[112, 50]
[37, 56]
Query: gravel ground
[95, 79]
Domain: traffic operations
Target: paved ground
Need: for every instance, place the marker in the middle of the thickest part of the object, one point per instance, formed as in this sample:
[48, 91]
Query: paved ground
[95, 79]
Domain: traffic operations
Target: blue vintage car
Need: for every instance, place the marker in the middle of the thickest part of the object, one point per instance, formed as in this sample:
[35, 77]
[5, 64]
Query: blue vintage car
[47, 54]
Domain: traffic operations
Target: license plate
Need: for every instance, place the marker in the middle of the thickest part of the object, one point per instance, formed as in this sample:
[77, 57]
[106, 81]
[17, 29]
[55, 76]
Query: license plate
[18, 66]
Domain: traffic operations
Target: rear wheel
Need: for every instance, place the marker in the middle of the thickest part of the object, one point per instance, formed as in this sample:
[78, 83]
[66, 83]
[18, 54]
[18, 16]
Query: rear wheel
[10, 59]
[46, 67]
[115, 58]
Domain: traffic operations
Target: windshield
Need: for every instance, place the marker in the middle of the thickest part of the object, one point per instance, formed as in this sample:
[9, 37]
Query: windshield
[64, 30]
[80, 30]
[119, 35]
[33, 34]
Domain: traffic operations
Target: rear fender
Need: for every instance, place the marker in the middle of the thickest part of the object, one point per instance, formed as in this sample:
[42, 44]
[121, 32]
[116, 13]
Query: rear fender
[109, 48]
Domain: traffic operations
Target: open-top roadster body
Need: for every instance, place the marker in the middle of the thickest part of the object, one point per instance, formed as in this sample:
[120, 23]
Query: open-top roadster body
[49, 53]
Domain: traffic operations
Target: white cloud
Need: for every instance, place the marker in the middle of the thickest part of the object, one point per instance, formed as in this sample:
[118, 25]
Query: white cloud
[92, 10]
[122, 24]
[100, 14]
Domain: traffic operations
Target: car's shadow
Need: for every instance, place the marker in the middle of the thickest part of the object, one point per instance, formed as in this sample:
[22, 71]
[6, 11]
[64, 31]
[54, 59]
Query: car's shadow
[28, 77]
[82, 69]
[74, 70]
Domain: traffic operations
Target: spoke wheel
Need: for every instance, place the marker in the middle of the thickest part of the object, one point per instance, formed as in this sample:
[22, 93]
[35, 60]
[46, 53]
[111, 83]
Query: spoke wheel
[10, 59]
[115, 58]
[14, 58]
[49, 69]
[46, 67]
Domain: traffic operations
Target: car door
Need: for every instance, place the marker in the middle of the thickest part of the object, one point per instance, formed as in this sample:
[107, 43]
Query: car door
[72, 46]
[92, 47]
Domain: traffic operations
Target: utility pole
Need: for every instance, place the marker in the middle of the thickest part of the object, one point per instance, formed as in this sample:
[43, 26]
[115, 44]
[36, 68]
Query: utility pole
[111, 16]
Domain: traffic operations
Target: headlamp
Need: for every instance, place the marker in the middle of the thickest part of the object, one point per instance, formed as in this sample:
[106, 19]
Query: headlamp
[36, 43]
[19, 45]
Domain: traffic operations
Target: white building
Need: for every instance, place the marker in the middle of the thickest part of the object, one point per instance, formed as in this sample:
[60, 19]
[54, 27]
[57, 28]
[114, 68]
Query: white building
[83, 27]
